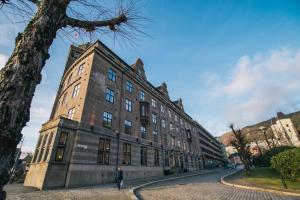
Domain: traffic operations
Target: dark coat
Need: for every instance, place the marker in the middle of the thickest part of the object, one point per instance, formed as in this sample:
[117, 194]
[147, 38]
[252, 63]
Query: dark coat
[119, 175]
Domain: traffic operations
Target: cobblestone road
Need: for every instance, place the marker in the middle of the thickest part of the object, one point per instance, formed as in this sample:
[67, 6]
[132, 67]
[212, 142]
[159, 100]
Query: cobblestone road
[206, 187]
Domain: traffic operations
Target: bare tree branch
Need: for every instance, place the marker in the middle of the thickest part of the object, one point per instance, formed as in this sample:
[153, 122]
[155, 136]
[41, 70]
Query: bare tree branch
[92, 25]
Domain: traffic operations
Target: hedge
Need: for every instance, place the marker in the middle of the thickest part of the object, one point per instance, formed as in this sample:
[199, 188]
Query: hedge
[265, 159]
[287, 163]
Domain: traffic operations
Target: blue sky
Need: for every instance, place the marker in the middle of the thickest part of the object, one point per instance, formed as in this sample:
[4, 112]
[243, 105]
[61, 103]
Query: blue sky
[230, 61]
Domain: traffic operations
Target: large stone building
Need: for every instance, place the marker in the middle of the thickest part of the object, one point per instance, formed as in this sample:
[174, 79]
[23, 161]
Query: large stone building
[285, 131]
[106, 114]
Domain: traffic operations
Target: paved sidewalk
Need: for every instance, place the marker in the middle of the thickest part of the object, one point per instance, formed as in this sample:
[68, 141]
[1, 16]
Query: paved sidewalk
[206, 187]
[99, 192]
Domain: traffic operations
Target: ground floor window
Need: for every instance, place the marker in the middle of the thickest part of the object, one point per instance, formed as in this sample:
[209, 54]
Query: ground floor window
[107, 120]
[156, 157]
[143, 156]
[60, 151]
[167, 162]
[126, 154]
[176, 159]
[103, 151]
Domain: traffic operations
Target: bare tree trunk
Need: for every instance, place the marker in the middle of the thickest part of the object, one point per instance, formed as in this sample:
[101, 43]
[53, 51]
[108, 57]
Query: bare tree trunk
[20, 76]
[256, 142]
[266, 138]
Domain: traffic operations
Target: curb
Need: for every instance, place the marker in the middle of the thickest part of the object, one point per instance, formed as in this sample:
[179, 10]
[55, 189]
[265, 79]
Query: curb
[133, 191]
[256, 188]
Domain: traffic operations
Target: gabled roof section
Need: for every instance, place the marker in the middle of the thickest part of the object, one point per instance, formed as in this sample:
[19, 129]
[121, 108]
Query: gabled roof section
[179, 104]
[138, 67]
[163, 89]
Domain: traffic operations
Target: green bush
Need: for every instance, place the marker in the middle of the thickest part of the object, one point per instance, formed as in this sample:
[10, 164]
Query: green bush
[287, 163]
[265, 159]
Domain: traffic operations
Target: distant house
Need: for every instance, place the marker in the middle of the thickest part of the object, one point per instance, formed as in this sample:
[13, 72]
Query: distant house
[285, 131]
[235, 158]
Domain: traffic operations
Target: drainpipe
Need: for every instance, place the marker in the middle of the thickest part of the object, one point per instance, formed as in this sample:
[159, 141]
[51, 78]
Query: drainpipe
[119, 126]
[161, 135]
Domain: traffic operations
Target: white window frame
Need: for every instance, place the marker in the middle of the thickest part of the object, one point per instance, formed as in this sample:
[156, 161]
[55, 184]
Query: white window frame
[71, 113]
[153, 103]
[128, 105]
[76, 90]
[80, 69]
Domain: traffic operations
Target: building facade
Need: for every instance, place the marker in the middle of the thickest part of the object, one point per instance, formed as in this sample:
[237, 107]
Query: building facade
[106, 114]
[284, 131]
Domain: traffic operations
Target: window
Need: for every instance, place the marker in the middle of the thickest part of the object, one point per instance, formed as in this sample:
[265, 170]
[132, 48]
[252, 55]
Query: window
[154, 118]
[165, 139]
[162, 109]
[153, 103]
[170, 116]
[48, 146]
[143, 132]
[139, 72]
[64, 99]
[61, 146]
[103, 151]
[156, 157]
[80, 69]
[38, 146]
[167, 163]
[129, 86]
[128, 105]
[171, 126]
[172, 141]
[42, 149]
[143, 156]
[112, 75]
[184, 146]
[178, 143]
[176, 118]
[287, 125]
[155, 136]
[69, 79]
[177, 129]
[71, 113]
[127, 127]
[163, 123]
[126, 154]
[107, 119]
[110, 95]
[142, 96]
[181, 122]
[76, 90]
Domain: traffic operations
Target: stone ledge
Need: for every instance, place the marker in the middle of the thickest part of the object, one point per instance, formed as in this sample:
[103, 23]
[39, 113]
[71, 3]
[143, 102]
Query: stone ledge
[256, 188]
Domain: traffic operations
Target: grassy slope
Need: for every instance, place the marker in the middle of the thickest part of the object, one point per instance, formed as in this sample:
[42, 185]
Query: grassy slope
[263, 177]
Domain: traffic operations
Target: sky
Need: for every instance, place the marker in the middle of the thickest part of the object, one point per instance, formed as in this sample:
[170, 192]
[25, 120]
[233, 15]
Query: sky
[230, 61]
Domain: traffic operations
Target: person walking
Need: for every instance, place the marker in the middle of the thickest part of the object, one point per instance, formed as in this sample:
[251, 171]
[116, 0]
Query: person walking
[119, 178]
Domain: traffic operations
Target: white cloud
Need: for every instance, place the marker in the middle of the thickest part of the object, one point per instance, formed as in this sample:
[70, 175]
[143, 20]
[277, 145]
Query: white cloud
[39, 113]
[3, 60]
[244, 78]
[257, 88]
